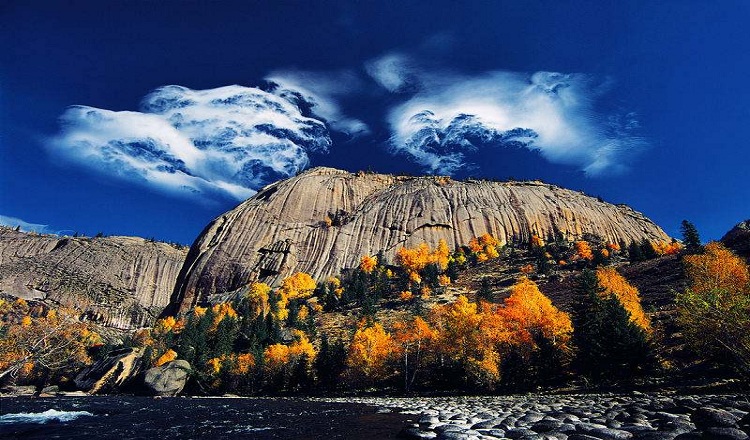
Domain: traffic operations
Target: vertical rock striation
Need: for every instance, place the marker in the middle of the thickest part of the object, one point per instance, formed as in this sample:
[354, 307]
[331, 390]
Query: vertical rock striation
[324, 220]
[121, 282]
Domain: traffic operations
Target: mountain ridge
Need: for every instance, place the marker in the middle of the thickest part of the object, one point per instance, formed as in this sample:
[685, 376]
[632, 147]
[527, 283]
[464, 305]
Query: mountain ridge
[323, 220]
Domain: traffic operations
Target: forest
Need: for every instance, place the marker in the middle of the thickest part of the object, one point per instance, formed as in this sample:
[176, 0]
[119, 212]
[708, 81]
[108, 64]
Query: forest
[391, 327]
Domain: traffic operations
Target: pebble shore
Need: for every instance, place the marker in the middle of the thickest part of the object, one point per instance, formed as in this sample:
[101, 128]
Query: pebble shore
[572, 417]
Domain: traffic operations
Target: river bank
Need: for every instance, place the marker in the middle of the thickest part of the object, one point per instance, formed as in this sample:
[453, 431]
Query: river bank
[570, 416]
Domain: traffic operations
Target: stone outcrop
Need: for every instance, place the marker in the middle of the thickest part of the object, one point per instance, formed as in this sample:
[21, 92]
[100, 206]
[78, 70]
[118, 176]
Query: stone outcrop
[738, 239]
[169, 379]
[120, 282]
[112, 372]
[324, 220]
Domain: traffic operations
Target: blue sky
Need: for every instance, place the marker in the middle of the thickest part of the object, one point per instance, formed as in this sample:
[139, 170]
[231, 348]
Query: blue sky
[151, 118]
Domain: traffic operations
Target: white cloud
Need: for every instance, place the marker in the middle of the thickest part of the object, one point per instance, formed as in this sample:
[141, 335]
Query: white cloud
[555, 114]
[394, 72]
[320, 90]
[14, 222]
[224, 141]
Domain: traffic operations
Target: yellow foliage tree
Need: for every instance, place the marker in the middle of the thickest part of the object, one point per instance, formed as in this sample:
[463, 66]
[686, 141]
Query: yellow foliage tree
[714, 312]
[666, 248]
[527, 310]
[615, 284]
[470, 337]
[54, 342]
[367, 263]
[222, 311]
[165, 325]
[168, 356]
[299, 285]
[281, 358]
[536, 241]
[717, 269]
[583, 250]
[369, 352]
[412, 339]
[258, 295]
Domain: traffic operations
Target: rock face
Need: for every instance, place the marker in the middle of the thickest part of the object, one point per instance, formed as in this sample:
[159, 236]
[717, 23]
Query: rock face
[324, 220]
[738, 239]
[121, 282]
[111, 373]
[168, 379]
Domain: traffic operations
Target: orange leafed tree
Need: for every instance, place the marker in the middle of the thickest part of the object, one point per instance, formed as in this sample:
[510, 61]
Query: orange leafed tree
[527, 311]
[299, 285]
[367, 263]
[168, 356]
[666, 248]
[714, 312]
[583, 250]
[470, 338]
[615, 284]
[53, 341]
[717, 269]
[536, 241]
[281, 358]
[222, 311]
[369, 353]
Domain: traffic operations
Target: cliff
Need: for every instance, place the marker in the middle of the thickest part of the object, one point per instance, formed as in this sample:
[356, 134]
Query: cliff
[324, 220]
[121, 282]
[738, 239]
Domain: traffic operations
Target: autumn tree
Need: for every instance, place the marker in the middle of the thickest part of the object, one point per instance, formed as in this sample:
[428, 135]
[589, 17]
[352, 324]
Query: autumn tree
[467, 343]
[367, 263]
[527, 311]
[288, 365]
[47, 342]
[583, 250]
[299, 285]
[615, 284]
[413, 339]
[714, 312]
[370, 351]
[538, 336]
[258, 296]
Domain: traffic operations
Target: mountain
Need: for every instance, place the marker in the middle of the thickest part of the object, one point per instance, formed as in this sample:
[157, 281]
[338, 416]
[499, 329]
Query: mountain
[738, 239]
[121, 282]
[324, 220]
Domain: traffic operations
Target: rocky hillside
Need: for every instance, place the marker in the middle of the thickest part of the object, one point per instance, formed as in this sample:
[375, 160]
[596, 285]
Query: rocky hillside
[120, 282]
[324, 220]
[738, 239]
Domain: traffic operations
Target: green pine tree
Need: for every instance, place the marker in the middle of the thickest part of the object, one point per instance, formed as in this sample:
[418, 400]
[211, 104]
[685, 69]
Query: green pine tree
[690, 237]
[610, 347]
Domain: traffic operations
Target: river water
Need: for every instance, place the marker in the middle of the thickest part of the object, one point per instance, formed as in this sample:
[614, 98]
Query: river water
[122, 418]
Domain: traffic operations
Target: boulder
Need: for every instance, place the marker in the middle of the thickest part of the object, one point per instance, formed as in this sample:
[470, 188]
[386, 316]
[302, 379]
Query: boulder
[111, 373]
[711, 417]
[168, 379]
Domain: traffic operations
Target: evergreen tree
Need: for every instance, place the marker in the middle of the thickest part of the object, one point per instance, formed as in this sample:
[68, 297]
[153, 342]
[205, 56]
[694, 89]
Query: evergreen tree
[329, 363]
[226, 334]
[610, 347]
[485, 291]
[635, 254]
[648, 250]
[690, 238]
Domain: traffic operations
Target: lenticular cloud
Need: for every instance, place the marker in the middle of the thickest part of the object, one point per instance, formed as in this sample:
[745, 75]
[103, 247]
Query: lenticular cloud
[454, 117]
[227, 141]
